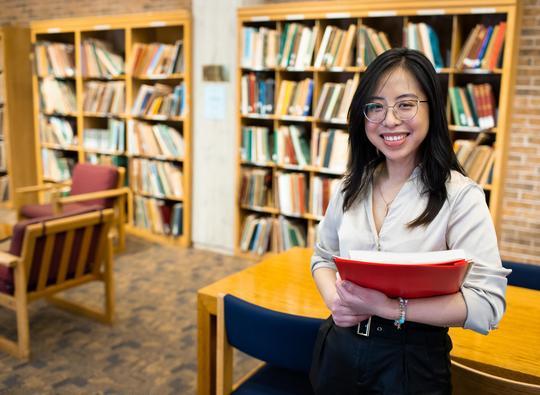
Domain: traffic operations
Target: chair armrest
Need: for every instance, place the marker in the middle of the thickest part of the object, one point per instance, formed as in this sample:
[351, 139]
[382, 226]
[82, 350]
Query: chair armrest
[109, 193]
[38, 188]
[8, 260]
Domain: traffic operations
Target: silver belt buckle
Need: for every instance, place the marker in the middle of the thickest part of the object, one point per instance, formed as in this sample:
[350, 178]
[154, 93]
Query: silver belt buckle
[365, 332]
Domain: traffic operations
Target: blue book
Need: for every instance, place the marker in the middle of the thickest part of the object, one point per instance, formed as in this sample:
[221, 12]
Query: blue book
[307, 104]
[154, 61]
[177, 220]
[435, 47]
[485, 43]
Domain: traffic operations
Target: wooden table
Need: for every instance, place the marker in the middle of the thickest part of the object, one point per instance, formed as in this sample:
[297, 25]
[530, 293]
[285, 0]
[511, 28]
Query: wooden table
[283, 282]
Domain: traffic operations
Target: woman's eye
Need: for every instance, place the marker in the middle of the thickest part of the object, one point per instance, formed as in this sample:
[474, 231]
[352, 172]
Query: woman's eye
[407, 105]
[375, 107]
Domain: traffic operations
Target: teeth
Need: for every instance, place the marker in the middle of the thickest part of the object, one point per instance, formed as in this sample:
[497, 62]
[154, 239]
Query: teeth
[394, 138]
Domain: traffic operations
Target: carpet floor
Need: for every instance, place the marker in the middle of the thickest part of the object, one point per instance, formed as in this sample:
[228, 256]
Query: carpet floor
[151, 349]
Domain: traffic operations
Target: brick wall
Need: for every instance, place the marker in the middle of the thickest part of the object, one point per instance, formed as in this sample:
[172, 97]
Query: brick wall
[520, 225]
[24, 11]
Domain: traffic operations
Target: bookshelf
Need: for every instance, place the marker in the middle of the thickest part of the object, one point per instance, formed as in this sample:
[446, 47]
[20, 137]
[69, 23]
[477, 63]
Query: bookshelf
[127, 80]
[287, 147]
[16, 127]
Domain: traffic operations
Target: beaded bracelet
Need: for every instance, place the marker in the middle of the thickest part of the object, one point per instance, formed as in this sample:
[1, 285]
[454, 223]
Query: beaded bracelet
[402, 312]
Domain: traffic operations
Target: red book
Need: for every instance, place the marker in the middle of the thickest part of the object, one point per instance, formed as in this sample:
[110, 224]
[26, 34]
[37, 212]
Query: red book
[497, 46]
[408, 280]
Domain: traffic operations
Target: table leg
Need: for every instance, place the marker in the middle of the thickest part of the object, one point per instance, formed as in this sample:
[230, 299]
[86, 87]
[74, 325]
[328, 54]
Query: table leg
[206, 349]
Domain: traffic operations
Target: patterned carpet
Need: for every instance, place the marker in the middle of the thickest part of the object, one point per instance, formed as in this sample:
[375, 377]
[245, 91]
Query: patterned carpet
[151, 349]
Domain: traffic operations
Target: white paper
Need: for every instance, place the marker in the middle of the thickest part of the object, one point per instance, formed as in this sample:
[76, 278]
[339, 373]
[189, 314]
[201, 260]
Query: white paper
[214, 101]
[408, 257]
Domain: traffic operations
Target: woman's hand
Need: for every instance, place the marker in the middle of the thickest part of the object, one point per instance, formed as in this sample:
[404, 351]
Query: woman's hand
[356, 301]
[343, 315]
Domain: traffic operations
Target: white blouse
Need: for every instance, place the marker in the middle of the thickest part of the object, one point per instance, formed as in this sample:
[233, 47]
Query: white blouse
[464, 222]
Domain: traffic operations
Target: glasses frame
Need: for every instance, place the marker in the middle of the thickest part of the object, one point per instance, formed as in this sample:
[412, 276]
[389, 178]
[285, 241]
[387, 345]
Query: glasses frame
[386, 107]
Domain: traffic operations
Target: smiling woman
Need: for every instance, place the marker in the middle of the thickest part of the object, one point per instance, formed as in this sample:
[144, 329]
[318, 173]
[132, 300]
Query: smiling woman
[405, 189]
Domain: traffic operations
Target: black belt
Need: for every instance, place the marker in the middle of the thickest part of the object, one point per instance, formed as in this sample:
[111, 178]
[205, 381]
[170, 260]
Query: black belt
[410, 332]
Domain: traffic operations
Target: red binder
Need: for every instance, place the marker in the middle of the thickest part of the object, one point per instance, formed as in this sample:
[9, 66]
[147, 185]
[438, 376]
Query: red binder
[405, 280]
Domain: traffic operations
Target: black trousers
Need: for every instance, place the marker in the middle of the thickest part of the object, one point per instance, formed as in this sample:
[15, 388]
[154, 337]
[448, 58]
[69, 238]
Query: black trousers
[412, 360]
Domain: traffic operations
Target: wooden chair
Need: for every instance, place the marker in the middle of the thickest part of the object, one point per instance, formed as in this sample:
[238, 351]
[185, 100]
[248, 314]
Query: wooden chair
[90, 185]
[49, 255]
[284, 342]
[467, 380]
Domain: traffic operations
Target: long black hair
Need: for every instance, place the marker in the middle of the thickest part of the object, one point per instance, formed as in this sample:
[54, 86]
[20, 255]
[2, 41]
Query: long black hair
[436, 155]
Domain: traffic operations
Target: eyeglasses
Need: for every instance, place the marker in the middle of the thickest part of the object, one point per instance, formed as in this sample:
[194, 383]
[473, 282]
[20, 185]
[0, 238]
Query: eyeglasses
[404, 110]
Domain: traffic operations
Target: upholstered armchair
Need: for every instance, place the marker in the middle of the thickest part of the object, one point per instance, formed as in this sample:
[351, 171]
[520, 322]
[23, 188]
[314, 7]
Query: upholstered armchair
[51, 254]
[91, 185]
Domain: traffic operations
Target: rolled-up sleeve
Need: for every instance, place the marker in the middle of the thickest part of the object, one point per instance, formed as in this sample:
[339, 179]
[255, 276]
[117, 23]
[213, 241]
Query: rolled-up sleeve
[471, 229]
[328, 241]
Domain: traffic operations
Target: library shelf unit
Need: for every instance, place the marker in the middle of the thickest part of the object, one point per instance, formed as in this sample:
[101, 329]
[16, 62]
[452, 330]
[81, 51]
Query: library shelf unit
[103, 62]
[17, 161]
[452, 22]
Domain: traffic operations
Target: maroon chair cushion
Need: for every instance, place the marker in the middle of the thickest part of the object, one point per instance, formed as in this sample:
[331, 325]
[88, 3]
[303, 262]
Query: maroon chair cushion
[46, 210]
[93, 178]
[19, 230]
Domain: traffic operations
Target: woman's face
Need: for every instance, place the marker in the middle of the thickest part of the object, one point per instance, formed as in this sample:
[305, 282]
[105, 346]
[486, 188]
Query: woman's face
[398, 140]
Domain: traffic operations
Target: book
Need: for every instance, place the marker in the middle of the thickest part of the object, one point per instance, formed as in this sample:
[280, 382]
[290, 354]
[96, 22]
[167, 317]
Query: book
[408, 275]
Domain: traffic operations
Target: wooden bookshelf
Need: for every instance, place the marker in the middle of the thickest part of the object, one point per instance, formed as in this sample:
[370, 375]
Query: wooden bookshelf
[452, 21]
[120, 37]
[16, 127]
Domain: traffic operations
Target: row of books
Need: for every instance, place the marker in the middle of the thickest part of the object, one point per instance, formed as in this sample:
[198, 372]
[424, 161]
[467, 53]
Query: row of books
[53, 58]
[4, 188]
[99, 60]
[257, 93]
[157, 59]
[104, 97]
[260, 47]
[154, 140]
[156, 178]
[476, 158]
[336, 49]
[289, 193]
[291, 145]
[483, 47]
[370, 43]
[158, 216]
[336, 99]
[322, 189]
[55, 166]
[294, 97]
[297, 44]
[329, 149]
[422, 37]
[291, 190]
[109, 140]
[257, 144]
[256, 188]
[56, 130]
[160, 99]
[263, 234]
[473, 105]
[57, 96]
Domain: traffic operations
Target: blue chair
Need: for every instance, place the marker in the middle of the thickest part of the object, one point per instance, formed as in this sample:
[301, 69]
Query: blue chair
[523, 275]
[283, 341]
